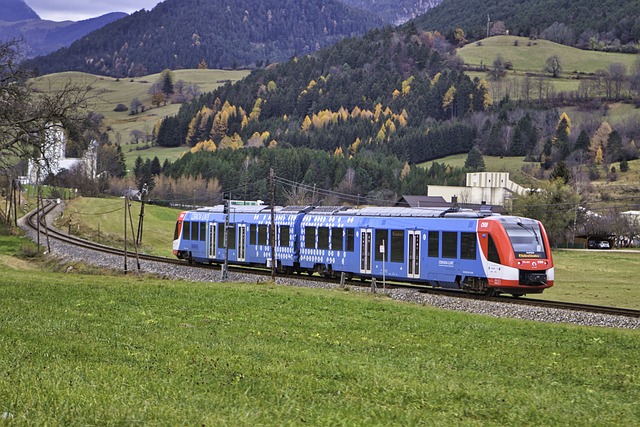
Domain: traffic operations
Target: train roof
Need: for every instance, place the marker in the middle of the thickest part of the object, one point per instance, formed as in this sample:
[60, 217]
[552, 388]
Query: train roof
[399, 212]
[372, 211]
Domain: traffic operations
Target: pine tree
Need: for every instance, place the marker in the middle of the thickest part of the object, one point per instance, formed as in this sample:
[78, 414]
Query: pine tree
[475, 161]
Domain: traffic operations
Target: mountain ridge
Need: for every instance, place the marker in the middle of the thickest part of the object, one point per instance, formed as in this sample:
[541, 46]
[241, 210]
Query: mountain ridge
[16, 10]
[185, 33]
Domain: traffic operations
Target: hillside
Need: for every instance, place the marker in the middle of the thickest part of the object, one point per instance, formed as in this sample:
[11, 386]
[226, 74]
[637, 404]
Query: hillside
[16, 10]
[41, 37]
[393, 11]
[379, 89]
[183, 33]
[604, 20]
[107, 92]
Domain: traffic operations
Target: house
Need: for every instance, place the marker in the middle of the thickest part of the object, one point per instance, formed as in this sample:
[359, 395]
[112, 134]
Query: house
[55, 161]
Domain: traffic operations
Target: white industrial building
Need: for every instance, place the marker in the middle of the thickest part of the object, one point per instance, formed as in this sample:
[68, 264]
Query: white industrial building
[490, 188]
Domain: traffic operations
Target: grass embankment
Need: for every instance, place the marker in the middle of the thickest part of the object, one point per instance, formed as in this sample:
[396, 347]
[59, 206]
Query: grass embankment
[114, 350]
[102, 221]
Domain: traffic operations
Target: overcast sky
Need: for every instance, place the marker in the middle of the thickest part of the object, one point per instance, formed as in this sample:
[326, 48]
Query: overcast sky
[77, 10]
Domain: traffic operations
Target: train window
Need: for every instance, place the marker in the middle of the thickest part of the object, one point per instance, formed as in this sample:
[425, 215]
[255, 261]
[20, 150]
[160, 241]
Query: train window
[449, 244]
[203, 231]
[323, 237]
[194, 230]
[434, 244]
[284, 236]
[349, 239]
[262, 234]
[397, 246]
[231, 235]
[221, 234]
[253, 232]
[176, 231]
[382, 238]
[336, 239]
[310, 237]
[468, 244]
[493, 254]
[186, 230]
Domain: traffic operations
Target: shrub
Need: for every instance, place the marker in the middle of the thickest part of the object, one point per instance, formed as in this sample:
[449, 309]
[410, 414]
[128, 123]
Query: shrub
[120, 107]
[28, 250]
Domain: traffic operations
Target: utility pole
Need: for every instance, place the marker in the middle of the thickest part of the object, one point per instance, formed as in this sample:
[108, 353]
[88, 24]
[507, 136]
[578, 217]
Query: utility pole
[272, 228]
[145, 190]
[126, 203]
[135, 245]
[225, 268]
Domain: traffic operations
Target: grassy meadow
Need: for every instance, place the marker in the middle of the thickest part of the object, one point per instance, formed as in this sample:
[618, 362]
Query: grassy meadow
[529, 56]
[101, 349]
[102, 221]
[107, 92]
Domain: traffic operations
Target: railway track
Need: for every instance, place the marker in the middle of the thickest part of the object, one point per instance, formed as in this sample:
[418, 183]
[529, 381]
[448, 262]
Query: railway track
[54, 233]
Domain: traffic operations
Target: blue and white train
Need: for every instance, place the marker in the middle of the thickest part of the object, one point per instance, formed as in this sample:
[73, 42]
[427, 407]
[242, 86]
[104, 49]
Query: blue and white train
[467, 250]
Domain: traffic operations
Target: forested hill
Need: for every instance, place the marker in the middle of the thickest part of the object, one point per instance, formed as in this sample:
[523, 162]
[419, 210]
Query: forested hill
[576, 22]
[391, 91]
[394, 11]
[221, 33]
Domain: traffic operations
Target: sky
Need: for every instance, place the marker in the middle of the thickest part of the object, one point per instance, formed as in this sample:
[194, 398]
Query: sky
[77, 10]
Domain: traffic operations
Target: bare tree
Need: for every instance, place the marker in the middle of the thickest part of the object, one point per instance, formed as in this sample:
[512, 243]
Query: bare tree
[553, 66]
[28, 114]
[617, 76]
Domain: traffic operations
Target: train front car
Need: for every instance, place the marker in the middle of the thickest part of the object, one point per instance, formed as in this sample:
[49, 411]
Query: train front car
[177, 237]
[516, 255]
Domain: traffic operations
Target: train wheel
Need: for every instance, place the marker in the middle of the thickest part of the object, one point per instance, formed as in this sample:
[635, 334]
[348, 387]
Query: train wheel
[490, 292]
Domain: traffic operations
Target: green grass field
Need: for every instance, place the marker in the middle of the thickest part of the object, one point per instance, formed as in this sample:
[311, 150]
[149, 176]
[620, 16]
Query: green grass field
[102, 220]
[531, 55]
[113, 350]
[132, 152]
[107, 92]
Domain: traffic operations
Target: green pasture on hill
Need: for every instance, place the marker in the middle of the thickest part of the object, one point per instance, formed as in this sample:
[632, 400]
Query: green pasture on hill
[133, 151]
[530, 55]
[593, 277]
[107, 92]
[100, 349]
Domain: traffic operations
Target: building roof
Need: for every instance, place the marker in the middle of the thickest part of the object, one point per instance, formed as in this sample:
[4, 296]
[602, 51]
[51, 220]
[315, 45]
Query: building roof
[409, 201]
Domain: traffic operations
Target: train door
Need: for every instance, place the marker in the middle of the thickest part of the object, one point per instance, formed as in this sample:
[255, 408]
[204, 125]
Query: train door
[366, 242]
[211, 249]
[413, 269]
[242, 241]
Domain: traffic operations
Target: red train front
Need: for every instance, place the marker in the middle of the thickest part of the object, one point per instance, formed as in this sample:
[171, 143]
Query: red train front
[516, 254]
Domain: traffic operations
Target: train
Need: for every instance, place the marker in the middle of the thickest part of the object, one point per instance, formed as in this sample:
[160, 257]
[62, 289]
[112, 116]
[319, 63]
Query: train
[471, 251]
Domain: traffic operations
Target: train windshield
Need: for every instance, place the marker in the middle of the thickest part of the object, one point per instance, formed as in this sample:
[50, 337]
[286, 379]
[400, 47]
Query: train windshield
[526, 239]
